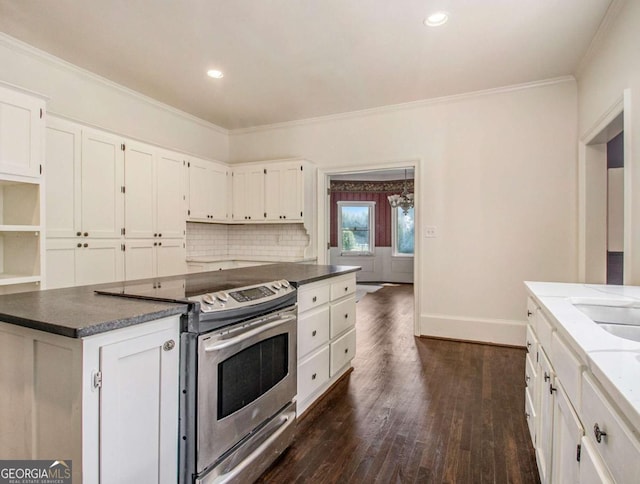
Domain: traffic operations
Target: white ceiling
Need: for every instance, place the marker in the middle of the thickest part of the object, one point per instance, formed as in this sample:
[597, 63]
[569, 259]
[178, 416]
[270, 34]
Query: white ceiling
[286, 60]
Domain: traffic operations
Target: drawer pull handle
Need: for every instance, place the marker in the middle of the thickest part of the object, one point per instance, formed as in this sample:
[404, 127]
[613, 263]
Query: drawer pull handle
[529, 313]
[313, 377]
[528, 346]
[315, 298]
[346, 289]
[527, 378]
[547, 377]
[314, 332]
[526, 414]
[598, 433]
[551, 389]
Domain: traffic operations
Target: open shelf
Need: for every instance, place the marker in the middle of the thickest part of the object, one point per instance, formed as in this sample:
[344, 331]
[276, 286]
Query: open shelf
[20, 228]
[19, 204]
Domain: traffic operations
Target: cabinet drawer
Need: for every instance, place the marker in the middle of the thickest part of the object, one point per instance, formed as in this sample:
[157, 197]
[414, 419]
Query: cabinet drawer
[343, 316]
[530, 414]
[619, 449]
[342, 351]
[530, 376]
[313, 373]
[313, 296]
[568, 368]
[342, 288]
[313, 330]
[544, 330]
[531, 342]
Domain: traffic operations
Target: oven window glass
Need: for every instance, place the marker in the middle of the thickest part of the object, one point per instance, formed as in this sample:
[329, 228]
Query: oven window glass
[247, 375]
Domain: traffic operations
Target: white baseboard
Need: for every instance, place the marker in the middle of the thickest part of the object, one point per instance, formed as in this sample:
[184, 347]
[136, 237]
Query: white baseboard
[497, 331]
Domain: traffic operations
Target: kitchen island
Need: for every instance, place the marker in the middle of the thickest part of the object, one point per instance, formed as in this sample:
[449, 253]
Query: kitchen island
[95, 379]
[582, 397]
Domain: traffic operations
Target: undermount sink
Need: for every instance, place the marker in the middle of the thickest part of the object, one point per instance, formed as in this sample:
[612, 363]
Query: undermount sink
[620, 318]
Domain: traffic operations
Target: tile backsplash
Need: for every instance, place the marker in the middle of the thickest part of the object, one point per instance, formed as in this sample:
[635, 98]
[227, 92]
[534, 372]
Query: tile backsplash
[286, 241]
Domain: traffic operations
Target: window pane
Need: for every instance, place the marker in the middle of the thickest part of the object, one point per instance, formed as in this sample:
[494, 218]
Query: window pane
[355, 228]
[405, 231]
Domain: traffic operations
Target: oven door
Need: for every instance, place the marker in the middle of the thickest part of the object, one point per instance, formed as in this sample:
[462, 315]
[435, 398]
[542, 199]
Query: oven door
[246, 374]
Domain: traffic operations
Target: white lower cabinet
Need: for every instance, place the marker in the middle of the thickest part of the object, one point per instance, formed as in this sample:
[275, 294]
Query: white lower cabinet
[77, 262]
[152, 258]
[326, 336]
[579, 436]
[109, 402]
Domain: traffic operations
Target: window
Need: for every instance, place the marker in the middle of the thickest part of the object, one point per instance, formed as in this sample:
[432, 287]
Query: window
[403, 232]
[356, 227]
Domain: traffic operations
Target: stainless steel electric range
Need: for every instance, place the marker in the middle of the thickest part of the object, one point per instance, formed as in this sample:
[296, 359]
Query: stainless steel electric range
[237, 376]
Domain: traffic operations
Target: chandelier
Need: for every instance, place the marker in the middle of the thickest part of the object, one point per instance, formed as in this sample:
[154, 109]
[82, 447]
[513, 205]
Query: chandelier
[404, 200]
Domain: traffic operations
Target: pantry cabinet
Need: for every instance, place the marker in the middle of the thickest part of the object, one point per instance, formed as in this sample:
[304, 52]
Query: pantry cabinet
[154, 258]
[77, 262]
[107, 402]
[21, 132]
[208, 191]
[326, 336]
[21, 190]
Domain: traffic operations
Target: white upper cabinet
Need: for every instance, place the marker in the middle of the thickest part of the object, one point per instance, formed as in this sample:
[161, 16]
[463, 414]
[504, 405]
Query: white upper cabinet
[170, 195]
[154, 192]
[284, 191]
[248, 193]
[208, 191]
[101, 187]
[21, 132]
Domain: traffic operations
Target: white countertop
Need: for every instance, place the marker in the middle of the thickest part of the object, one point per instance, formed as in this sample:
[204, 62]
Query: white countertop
[614, 361]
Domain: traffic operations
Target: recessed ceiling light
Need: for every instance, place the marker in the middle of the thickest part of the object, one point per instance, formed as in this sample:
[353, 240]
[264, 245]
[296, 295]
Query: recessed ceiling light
[215, 73]
[436, 19]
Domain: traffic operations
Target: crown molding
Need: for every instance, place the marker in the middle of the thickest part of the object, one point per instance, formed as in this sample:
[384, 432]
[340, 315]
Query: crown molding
[615, 7]
[24, 48]
[404, 106]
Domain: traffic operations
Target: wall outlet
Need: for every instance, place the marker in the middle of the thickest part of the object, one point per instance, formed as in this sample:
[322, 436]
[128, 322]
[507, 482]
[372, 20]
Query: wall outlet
[430, 232]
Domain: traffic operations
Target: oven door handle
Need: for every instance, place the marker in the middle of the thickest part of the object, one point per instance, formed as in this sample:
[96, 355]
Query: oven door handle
[219, 345]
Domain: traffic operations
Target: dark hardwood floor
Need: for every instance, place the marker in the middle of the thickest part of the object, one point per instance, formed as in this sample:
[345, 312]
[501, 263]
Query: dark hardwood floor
[415, 410]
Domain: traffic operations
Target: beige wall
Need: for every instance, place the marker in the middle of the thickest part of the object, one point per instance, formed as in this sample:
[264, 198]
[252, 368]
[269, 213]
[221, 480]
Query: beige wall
[84, 97]
[497, 178]
[613, 67]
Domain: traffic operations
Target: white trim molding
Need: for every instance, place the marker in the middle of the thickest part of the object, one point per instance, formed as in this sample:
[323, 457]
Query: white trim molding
[494, 331]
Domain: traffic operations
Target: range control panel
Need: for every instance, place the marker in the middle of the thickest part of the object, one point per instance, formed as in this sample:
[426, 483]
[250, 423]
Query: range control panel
[242, 296]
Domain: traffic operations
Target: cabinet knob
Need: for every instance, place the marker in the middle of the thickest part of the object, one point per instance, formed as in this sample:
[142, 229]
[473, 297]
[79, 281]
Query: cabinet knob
[155, 235]
[79, 244]
[529, 313]
[155, 244]
[313, 377]
[284, 216]
[85, 245]
[526, 414]
[315, 298]
[159, 235]
[598, 432]
[346, 288]
[314, 332]
[78, 234]
[86, 234]
[346, 350]
[346, 316]
[169, 345]
[159, 243]
[527, 378]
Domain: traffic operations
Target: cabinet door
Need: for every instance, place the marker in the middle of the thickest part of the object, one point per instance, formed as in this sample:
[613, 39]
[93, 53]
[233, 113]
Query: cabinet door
[139, 409]
[100, 261]
[219, 192]
[63, 144]
[140, 197]
[199, 190]
[102, 181]
[21, 133]
[170, 195]
[273, 184]
[567, 434]
[248, 193]
[171, 257]
[61, 263]
[292, 192]
[139, 259]
[545, 418]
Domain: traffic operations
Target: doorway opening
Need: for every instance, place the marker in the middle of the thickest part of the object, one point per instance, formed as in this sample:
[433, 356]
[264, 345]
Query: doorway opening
[603, 214]
[362, 229]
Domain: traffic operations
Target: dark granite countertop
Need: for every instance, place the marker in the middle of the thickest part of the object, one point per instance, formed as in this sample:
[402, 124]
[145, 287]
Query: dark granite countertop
[78, 312]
